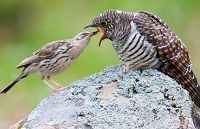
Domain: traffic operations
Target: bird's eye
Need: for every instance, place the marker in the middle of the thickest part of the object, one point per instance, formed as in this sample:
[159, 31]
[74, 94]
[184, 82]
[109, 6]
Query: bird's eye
[104, 23]
[84, 34]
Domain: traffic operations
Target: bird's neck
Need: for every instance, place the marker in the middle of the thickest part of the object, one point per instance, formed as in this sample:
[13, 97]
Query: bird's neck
[122, 30]
[121, 37]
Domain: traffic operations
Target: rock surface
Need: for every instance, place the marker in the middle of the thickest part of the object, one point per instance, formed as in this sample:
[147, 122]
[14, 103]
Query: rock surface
[112, 99]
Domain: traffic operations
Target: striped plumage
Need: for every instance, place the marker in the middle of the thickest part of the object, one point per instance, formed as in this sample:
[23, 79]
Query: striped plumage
[142, 40]
[52, 59]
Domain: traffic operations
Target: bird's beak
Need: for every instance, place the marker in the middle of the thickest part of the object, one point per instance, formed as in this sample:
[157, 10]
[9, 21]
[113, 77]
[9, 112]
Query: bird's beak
[98, 29]
[89, 25]
[95, 32]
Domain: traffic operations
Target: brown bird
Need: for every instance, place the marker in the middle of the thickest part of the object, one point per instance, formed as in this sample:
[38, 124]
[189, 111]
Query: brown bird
[52, 59]
[142, 40]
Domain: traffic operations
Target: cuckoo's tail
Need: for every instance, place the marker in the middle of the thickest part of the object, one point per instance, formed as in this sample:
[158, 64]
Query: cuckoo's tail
[195, 95]
[190, 83]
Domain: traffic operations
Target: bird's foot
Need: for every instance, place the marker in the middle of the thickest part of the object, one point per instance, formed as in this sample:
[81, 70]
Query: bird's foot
[58, 90]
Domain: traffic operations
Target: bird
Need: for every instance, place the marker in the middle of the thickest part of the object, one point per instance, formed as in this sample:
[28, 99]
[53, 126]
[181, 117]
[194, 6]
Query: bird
[52, 59]
[143, 40]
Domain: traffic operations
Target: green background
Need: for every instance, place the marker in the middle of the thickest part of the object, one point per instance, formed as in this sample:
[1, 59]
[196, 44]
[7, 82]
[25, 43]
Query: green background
[27, 25]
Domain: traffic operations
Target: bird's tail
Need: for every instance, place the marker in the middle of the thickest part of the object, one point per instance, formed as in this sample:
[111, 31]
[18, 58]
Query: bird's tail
[18, 78]
[195, 95]
[190, 83]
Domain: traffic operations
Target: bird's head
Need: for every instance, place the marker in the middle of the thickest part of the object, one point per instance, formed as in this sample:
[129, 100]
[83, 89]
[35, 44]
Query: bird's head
[84, 36]
[110, 23]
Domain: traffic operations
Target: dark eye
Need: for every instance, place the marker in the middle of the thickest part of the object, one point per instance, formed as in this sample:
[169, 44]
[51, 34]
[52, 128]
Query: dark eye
[104, 23]
[84, 34]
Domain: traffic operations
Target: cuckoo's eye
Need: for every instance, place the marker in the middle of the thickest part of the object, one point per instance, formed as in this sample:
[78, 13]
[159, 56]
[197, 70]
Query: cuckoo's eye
[104, 23]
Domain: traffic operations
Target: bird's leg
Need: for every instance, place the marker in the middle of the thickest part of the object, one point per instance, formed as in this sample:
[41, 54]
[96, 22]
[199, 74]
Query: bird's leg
[54, 90]
[49, 78]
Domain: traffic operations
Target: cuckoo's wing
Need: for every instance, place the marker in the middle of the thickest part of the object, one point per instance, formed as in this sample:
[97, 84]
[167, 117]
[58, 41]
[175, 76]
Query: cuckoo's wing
[174, 58]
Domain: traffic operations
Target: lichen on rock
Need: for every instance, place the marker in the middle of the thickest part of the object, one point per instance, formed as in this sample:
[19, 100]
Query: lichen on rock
[112, 99]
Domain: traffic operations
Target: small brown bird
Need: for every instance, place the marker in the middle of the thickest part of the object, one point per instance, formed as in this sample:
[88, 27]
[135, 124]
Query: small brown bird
[52, 59]
[142, 40]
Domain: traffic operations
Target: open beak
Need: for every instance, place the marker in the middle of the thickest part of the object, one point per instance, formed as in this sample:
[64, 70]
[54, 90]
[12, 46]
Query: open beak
[98, 28]
[102, 35]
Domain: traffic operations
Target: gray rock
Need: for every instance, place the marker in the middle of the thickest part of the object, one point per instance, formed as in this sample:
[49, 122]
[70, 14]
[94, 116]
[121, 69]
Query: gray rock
[112, 99]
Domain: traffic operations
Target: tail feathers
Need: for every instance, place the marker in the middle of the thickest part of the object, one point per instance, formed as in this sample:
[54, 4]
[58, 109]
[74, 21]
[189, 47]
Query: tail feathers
[188, 82]
[18, 78]
[196, 95]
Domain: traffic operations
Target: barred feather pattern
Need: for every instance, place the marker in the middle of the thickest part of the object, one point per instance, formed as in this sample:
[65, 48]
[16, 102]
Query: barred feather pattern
[137, 52]
[172, 54]
[142, 40]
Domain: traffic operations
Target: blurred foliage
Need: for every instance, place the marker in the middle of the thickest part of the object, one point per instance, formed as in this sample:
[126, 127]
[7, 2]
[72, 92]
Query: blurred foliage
[25, 26]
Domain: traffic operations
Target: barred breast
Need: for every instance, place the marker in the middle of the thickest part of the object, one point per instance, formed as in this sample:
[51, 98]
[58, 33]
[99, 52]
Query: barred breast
[137, 52]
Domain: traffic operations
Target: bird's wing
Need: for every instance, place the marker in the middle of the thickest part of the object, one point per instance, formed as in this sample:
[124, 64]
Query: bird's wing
[174, 58]
[171, 51]
[45, 52]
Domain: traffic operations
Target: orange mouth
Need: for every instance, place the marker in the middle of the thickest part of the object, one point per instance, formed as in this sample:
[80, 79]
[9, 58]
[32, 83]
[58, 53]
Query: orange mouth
[102, 34]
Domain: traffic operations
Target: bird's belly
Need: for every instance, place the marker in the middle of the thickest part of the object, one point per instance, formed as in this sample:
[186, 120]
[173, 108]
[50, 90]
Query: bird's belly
[57, 70]
[55, 67]
[137, 53]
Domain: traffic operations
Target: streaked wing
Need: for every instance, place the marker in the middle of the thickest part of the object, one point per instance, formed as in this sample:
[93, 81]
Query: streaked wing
[45, 52]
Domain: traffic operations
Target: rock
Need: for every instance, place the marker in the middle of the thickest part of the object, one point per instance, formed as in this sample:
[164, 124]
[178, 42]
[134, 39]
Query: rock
[112, 99]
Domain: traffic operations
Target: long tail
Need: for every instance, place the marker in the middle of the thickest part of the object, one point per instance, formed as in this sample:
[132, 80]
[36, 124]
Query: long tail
[188, 82]
[18, 78]
[196, 95]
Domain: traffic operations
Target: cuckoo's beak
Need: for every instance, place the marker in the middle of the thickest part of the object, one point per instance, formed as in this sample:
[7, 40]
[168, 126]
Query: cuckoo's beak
[89, 25]
[98, 28]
